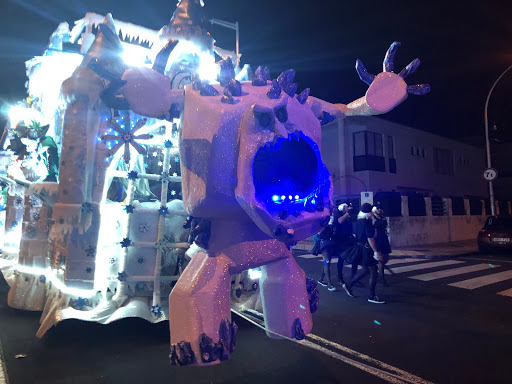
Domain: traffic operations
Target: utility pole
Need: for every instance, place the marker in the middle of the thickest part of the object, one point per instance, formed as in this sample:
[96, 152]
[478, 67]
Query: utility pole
[487, 145]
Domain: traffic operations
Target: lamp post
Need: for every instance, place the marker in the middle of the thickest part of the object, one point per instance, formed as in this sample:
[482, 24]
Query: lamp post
[487, 145]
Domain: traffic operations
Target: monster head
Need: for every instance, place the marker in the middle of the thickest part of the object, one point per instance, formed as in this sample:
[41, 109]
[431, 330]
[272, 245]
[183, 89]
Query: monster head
[257, 155]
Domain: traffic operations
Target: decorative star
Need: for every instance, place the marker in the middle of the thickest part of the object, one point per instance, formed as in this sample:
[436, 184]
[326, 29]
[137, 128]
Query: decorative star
[86, 207]
[42, 279]
[176, 159]
[19, 202]
[132, 175]
[163, 211]
[112, 260]
[126, 137]
[168, 144]
[33, 201]
[156, 310]
[175, 174]
[35, 216]
[160, 163]
[121, 276]
[140, 286]
[88, 270]
[140, 260]
[173, 193]
[80, 303]
[129, 208]
[90, 251]
[14, 223]
[155, 154]
[125, 243]
[144, 227]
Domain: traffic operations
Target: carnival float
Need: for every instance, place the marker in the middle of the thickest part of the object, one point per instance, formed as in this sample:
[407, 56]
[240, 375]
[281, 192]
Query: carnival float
[148, 175]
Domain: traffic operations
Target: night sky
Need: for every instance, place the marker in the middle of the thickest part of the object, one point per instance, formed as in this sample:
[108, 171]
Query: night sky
[463, 46]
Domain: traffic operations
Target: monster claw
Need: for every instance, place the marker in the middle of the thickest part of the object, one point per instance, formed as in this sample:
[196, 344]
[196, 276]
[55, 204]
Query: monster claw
[388, 64]
[363, 73]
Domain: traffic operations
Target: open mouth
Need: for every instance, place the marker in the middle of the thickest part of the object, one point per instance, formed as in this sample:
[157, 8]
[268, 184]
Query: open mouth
[289, 177]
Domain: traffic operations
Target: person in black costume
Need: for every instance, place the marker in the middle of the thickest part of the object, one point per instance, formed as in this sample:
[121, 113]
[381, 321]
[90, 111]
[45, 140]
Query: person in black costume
[343, 235]
[381, 238]
[364, 252]
[324, 244]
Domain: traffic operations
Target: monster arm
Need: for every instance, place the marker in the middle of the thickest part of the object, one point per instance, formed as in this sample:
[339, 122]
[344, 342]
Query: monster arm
[387, 90]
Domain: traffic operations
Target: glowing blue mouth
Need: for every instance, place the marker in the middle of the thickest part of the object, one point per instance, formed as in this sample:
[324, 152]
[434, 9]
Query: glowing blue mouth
[289, 176]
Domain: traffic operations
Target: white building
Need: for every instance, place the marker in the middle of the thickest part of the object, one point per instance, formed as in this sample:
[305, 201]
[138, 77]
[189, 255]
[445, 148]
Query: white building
[369, 153]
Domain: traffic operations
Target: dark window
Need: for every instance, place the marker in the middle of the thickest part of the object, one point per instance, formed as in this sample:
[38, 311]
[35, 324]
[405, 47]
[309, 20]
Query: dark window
[368, 152]
[391, 147]
[503, 205]
[417, 205]
[458, 206]
[412, 151]
[391, 203]
[475, 206]
[438, 207]
[443, 161]
[392, 165]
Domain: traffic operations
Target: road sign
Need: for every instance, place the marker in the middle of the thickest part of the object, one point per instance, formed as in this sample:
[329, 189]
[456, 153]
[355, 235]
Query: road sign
[490, 174]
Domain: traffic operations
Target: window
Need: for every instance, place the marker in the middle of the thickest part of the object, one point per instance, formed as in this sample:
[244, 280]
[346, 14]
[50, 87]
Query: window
[391, 155]
[416, 205]
[368, 152]
[443, 161]
[475, 206]
[458, 207]
[438, 206]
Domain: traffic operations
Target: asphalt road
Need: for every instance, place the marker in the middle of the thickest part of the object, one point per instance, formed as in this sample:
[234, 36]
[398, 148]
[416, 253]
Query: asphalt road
[436, 332]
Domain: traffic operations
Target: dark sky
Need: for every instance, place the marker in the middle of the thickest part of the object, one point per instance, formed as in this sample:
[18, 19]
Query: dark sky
[463, 45]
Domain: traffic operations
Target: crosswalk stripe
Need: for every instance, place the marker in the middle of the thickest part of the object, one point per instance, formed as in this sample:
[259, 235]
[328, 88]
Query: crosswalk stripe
[482, 281]
[309, 256]
[507, 292]
[451, 272]
[404, 261]
[415, 267]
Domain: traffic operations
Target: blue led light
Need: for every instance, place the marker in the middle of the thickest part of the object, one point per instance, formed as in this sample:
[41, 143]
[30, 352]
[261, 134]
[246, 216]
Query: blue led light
[275, 198]
[290, 197]
[296, 197]
[283, 197]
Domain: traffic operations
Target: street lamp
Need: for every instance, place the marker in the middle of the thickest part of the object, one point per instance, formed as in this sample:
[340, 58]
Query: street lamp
[491, 188]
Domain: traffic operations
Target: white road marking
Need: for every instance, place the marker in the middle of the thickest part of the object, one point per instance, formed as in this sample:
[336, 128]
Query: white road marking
[488, 260]
[508, 292]
[393, 375]
[452, 272]
[482, 281]
[309, 256]
[405, 261]
[416, 267]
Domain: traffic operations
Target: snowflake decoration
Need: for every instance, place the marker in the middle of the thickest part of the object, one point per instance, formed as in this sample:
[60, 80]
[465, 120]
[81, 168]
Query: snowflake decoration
[175, 134]
[125, 243]
[144, 227]
[33, 201]
[155, 154]
[176, 159]
[19, 202]
[121, 276]
[164, 178]
[156, 310]
[88, 270]
[160, 163]
[126, 137]
[163, 211]
[132, 175]
[42, 279]
[14, 223]
[90, 251]
[112, 260]
[175, 174]
[140, 286]
[129, 208]
[35, 216]
[86, 207]
[168, 144]
[140, 260]
[146, 165]
[80, 303]
[173, 193]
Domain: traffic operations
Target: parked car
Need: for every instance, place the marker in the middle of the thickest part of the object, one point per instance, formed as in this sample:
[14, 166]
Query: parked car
[496, 234]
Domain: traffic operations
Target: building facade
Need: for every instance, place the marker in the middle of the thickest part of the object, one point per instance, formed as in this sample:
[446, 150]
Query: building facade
[372, 154]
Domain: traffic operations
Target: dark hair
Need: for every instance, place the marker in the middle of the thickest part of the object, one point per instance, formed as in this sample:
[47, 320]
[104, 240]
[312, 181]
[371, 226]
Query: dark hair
[366, 208]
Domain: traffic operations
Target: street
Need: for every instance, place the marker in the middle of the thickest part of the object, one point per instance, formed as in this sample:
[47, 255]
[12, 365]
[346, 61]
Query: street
[446, 320]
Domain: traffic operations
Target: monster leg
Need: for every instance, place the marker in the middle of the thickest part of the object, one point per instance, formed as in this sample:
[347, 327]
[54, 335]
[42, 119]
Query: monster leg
[200, 313]
[285, 299]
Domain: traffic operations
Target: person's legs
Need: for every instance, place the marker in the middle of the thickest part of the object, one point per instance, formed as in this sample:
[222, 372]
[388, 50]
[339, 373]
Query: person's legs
[373, 279]
[340, 265]
[359, 275]
[326, 265]
[381, 273]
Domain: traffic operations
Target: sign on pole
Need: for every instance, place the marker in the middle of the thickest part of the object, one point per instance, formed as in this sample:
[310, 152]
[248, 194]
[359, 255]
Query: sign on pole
[490, 174]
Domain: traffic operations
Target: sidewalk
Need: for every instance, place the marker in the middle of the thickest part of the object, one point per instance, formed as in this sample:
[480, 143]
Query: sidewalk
[425, 251]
